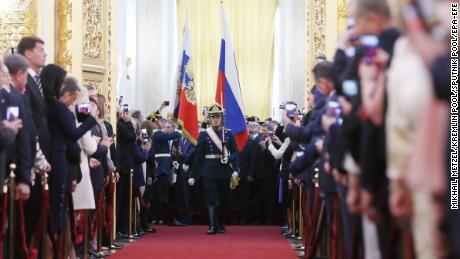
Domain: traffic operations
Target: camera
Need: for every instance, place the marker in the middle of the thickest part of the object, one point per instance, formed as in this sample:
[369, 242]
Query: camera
[83, 111]
[125, 108]
[144, 136]
[120, 100]
[204, 111]
[369, 45]
[12, 113]
[334, 111]
[84, 108]
[291, 108]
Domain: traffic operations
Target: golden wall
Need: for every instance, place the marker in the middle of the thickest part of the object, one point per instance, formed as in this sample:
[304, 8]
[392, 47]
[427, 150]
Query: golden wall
[325, 20]
[79, 36]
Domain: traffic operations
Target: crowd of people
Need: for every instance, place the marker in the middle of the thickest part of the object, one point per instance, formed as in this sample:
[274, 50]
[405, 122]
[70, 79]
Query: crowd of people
[366, 170]
[377, 138]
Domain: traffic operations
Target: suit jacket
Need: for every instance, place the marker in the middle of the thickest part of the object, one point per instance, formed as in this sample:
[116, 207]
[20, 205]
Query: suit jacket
[126, 141]
[20, 153]
[7, 137]
[249, 158]
[39, 114]
[113, 147]
[160, 145]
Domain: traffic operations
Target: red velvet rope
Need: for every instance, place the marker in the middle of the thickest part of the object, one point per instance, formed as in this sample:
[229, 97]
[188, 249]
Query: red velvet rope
[73, 228]
[44, 206]
[80, 228]
[110, 209]
[99, 210]
[4, 200]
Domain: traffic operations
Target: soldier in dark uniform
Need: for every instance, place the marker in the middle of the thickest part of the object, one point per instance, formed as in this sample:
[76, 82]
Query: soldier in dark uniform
[161, 145]
[218, 165]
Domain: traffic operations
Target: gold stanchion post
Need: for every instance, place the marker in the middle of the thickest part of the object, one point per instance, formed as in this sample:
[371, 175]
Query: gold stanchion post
[113, 232]
[85, 235]
[293, 233]
[135, 215]
[301, 230]
[130, 217]
[44, 179]
[12, 216]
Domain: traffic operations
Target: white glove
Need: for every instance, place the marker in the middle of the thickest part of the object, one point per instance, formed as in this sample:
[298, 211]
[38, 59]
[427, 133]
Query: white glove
[191, 181]
[185, 167]
[175, 165]
[235, 174]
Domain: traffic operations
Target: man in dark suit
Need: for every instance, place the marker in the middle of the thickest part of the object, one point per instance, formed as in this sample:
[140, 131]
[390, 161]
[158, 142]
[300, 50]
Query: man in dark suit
[19, 153]
[264, 175]
[162, 142]
[8, 129]
[32, 48]
[126, 140]
[248, 163]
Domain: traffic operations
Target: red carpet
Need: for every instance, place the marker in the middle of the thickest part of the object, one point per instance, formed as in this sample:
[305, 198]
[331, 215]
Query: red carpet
[191, 242]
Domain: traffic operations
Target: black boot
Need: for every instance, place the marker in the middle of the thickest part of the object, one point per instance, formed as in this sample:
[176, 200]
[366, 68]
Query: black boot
[168, 216]
[212, 221]
[221, 229]
[220, 221]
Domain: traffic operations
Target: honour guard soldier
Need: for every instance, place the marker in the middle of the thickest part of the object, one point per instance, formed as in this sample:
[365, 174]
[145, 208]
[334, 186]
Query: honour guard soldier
[161, 145]
[217, 162]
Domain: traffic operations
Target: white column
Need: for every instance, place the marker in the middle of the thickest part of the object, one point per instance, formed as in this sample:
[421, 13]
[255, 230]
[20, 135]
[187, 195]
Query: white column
[156, 53]
[290, 56]
[126, 41]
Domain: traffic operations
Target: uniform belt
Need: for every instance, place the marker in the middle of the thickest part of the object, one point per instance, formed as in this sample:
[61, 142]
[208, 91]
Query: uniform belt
[213, 156]
[162, 155]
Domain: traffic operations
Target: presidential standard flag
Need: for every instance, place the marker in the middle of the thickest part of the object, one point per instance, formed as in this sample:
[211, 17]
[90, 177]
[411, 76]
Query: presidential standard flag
[185, 107]
[228, 92]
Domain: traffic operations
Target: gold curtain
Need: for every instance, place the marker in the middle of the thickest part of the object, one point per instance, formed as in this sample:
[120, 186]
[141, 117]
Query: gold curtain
[251, 26]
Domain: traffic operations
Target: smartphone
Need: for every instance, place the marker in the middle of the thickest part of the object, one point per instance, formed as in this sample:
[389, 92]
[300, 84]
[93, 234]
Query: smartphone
[84, 108]
[166, 103]
[125, 108]
[12, 113]
[14, 50]
[270, 134]
[350, 23]
[291, 108]
[120, 100]
[204, 111]
[333, 109]
[350, 88]
[370, 44]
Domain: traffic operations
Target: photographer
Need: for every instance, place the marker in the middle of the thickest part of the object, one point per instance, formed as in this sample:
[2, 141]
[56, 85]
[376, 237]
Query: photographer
[126, 146]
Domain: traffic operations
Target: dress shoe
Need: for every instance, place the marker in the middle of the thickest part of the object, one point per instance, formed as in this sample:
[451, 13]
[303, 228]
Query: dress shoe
[212, 230]
[121, 235]
[150, 230]
[221, 229]
[177, 223]
[96, 254]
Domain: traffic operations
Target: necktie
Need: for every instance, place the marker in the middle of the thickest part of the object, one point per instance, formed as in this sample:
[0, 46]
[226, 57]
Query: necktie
[39, 84]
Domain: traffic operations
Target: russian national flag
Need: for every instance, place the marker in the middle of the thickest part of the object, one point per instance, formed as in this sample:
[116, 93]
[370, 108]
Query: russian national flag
[228, 92]
[185, 105]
